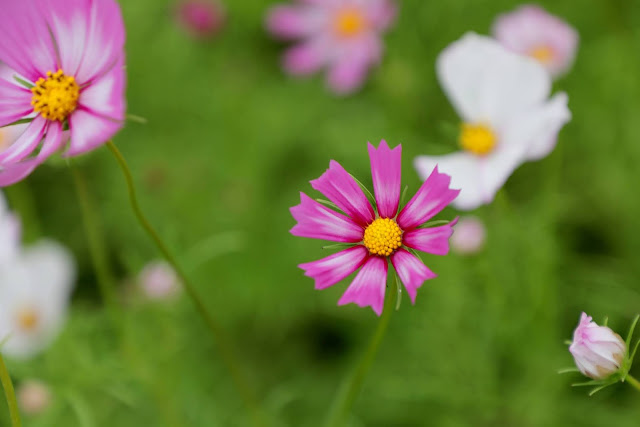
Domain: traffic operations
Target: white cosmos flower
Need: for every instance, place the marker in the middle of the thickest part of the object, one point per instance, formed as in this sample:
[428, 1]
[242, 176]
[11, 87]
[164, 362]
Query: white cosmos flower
[502, 99]
[35, 288]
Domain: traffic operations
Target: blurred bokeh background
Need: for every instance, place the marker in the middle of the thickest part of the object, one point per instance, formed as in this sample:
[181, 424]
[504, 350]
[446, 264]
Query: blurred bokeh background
[230, 142]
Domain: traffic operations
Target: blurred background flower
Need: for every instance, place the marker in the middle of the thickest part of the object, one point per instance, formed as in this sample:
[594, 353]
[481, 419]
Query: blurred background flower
[469, 235]
[501, 98]
[159, 281]
[342, 35]
[532, 31]
[34, 397]
[200, 18]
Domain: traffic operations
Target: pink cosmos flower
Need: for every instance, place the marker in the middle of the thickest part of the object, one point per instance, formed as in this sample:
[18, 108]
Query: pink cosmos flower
[342, 35]
[378, 234]
[531, 31]
[201, 18]
[71, 55]
[597, 350]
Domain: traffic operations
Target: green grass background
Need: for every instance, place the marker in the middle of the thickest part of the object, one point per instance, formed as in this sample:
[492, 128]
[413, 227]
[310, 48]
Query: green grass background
[231, 141]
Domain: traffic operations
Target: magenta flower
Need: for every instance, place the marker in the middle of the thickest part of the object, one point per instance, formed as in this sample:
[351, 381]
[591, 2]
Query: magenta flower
[376, 235]
[531, 31]
[200, 18]
[342, 35]
[71, 55]
[597, 350]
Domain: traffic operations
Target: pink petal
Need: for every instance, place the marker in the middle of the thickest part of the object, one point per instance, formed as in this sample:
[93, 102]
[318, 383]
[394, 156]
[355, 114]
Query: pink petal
[381, 13]
[291, 22]
[12, 173]
[386, 171]
[89, 131]
[332, 269]
[26, 143]
[89, 35]
[340, 187]
[369, 285]
[434, 240]
[15, 102]
[432, 197]
[305, 58]
[347, 75]
[351, 61]
[316, 221]
[105, 96]
[25, 41]
[411, 270]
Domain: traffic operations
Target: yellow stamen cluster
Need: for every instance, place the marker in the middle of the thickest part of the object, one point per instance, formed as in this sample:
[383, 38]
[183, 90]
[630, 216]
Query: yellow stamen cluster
[479, 139]
[382, 237]
[542, 53]
[349, 23]
[56, 96]
[27, 319]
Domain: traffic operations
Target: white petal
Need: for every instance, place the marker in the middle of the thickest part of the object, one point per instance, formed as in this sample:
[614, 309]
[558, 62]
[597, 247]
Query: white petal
[51, 269]
[465, 172]
[538, 129]
[487, 83]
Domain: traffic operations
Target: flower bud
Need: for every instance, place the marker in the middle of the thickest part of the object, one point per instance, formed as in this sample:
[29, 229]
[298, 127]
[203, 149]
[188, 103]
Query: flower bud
[597, 350]
[33, 396]
[469, 235]
[201, 18]
[159, 281]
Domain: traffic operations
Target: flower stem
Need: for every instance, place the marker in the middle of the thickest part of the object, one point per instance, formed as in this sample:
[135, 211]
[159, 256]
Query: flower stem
[10, 394]
[350, 388]
[224, 345]
[634, 382]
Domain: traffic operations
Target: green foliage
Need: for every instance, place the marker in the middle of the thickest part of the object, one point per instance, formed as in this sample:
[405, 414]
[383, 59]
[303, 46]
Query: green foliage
[230, 142]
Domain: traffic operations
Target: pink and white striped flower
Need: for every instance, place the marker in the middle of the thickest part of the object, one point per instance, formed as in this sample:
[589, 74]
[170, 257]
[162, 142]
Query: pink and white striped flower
[597, 350]
[69, 55]
[342, 35]
[377, 235]
[532, 31]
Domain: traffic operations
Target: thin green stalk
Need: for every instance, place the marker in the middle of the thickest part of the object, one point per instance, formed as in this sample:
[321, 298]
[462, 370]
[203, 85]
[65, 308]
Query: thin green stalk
[95, 239]
[10, 394]
[350, 388]
[633, 382]
[226, 350]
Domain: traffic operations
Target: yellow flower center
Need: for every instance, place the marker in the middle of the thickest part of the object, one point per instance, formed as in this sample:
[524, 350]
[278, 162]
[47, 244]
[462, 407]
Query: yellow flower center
[56, 96]
[477, 138]
[27, 319]
[349, 22]
[542, 53]
[382, 237]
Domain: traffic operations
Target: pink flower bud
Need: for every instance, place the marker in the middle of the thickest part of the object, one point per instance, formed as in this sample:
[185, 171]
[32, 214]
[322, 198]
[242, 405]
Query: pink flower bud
[201, 18]
[33, 397]
[469, 235]
[597, 350]
[159, 281]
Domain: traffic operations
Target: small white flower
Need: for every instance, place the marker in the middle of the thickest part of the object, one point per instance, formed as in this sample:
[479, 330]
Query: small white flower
[34, 397]
[35, 289]
[502, 99]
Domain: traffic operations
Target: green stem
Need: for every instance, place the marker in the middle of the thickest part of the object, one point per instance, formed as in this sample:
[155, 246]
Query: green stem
[95, 239]
[10, 394]
[634, 382]
[350, 389]
[226, 350]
